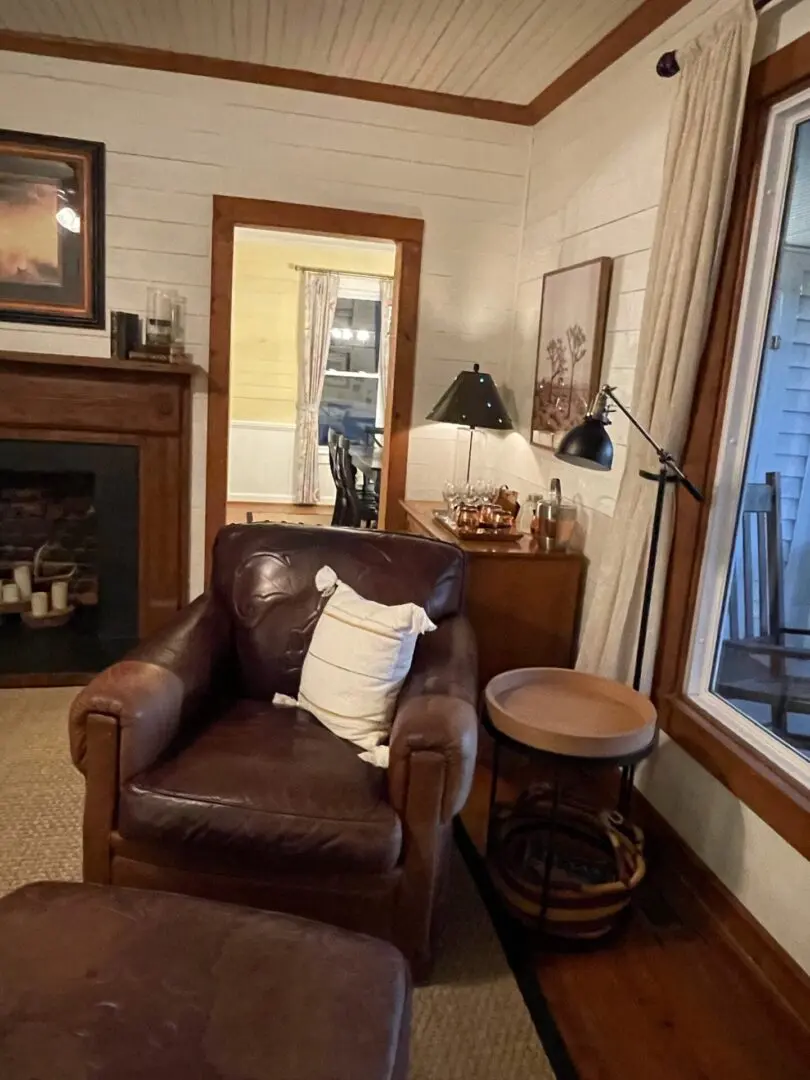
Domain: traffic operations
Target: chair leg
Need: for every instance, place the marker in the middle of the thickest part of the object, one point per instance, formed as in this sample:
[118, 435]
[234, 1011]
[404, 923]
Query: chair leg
[779, 716]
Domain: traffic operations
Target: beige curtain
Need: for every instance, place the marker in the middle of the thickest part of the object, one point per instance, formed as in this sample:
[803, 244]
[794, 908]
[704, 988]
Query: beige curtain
[318, 301]
[386, 306]
[699, 171]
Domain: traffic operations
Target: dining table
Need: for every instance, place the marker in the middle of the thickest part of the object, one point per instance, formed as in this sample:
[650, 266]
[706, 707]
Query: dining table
[369, 461]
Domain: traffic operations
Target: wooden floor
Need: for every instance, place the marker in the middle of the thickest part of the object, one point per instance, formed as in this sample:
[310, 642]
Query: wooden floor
[289, 512]
[665, 1001]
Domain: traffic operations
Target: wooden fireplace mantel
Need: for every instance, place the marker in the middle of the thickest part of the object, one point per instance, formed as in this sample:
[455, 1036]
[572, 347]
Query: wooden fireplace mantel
[88, 399]
[99, 362]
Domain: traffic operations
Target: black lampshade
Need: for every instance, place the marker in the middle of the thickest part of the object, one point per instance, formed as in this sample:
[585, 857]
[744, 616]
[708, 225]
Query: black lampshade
[472, 400]
[587, 445]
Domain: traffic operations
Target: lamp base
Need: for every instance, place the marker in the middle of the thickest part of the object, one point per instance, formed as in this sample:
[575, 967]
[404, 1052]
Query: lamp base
[663, 477]
[464, 468]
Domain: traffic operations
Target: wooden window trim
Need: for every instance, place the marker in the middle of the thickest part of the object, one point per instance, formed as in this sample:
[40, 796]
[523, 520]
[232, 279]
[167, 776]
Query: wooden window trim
[780, 800]
[407, 234]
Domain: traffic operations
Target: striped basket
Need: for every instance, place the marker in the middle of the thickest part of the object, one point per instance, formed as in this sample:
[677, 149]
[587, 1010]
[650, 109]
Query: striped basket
[598, 862]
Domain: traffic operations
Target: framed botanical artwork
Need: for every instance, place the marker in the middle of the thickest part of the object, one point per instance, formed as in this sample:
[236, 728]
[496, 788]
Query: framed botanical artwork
[51, 230]
[569, 348]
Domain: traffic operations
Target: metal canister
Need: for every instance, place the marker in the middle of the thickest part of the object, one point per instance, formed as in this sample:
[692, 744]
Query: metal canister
[556, 518]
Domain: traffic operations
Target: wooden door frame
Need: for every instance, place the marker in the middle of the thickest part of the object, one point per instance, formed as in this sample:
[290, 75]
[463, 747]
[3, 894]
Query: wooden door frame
[407, 234]
[775, 796]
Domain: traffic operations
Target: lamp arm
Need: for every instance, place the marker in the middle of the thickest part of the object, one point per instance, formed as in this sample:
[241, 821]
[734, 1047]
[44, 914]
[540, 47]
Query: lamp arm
[663, 455]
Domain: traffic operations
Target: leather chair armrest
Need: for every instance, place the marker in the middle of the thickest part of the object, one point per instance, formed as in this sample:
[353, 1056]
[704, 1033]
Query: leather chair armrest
[437, 713]
[156, 687]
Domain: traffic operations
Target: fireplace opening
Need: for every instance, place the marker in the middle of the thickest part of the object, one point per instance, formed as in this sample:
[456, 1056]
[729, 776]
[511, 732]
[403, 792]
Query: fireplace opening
[68, 556]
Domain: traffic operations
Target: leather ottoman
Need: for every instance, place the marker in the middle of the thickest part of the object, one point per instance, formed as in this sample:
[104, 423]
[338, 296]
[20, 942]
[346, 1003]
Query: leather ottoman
[119, 984]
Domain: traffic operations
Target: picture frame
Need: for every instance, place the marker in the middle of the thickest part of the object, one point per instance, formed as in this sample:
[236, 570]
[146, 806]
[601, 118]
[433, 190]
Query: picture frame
[570, 347]
[51, 230]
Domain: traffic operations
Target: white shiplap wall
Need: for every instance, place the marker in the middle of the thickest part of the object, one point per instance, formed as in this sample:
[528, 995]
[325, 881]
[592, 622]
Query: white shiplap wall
[594, 187]
[173, 141]
[595, 183]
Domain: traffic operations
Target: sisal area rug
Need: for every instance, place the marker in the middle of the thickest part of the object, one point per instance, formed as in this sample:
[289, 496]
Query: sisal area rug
[470, 1023]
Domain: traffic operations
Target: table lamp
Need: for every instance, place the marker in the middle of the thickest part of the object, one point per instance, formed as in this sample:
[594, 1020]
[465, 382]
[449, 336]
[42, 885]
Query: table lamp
[472, 400]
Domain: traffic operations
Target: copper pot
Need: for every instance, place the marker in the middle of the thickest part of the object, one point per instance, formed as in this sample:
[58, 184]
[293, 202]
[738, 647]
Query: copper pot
[489, 515]
[508, 501]
[468, 517]
[501, 518]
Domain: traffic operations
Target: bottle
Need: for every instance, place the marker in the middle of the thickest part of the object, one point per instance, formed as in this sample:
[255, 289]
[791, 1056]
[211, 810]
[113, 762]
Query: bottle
[527, 519]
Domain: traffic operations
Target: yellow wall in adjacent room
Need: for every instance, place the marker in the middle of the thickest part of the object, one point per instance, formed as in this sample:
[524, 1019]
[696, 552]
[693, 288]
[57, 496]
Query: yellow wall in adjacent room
[264, 319]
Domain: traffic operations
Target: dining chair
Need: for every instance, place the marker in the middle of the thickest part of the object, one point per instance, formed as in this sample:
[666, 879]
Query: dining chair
[360, 509]
[339, 511]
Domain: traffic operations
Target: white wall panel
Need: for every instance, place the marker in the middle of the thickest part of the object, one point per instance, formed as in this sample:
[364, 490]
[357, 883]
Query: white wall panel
[174, 141]
[261, 463]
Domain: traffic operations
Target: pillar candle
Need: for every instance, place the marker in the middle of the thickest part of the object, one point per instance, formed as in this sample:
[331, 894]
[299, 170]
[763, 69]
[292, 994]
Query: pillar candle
[11, 594]
[59, 596]
[22, 576]
[39, 604]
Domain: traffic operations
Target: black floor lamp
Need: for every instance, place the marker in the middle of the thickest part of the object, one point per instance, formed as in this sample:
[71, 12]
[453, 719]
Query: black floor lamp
[588, 445]
[472, 400]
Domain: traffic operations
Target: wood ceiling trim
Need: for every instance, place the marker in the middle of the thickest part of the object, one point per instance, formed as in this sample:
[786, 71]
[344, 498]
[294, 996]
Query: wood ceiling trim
[638, 24]
[241, 71]
[641, 22]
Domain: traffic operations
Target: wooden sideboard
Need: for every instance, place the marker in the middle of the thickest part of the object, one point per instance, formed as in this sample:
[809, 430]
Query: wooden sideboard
[522, 602]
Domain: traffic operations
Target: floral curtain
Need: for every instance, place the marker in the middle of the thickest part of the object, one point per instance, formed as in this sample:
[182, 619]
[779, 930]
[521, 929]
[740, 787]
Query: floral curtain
[318, 301]
[699, 170]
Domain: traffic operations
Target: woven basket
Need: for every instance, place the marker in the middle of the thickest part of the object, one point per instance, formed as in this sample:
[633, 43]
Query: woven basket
[598, 863]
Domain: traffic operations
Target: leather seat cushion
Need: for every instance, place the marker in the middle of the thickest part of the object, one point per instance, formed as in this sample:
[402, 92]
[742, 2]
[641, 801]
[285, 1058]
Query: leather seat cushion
[125, 984]
[272, 787]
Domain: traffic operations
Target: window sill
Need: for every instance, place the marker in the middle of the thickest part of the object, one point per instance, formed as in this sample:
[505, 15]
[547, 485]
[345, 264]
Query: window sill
[748, 733]
[781, 800]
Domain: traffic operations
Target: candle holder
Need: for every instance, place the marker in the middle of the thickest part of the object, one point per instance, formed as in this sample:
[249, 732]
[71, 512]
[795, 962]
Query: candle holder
[159, 304]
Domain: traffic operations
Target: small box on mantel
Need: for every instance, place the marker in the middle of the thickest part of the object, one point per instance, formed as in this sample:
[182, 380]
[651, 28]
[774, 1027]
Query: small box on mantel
[157, 354]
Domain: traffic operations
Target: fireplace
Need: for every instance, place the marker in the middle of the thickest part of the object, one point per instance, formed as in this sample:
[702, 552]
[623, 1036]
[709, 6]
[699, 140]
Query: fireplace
[69, 512]
[94, 493]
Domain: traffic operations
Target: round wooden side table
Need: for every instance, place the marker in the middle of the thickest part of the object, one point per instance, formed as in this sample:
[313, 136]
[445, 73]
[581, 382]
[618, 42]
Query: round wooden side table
[566, 717]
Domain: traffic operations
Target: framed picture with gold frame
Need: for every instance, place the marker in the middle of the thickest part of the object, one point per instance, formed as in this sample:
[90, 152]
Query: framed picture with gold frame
[51, 230]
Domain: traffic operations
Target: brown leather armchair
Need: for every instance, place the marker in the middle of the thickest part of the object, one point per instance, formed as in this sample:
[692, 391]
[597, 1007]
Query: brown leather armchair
[197, 783]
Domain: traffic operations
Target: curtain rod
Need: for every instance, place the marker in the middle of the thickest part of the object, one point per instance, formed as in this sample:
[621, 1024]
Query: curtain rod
[343, 273]
[668, 65]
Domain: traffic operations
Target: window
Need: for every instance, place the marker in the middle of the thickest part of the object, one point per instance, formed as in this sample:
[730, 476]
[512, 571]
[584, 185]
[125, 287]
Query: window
[750, 662]
[349, 402]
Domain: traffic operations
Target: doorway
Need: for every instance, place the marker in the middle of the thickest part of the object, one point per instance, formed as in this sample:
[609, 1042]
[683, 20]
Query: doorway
[237, 219]
[267, 319]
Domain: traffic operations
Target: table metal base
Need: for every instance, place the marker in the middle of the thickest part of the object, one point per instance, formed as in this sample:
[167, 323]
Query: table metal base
[627, 763]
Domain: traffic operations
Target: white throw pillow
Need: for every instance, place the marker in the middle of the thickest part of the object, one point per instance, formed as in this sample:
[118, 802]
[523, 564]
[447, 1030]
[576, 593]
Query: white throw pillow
[358, 659]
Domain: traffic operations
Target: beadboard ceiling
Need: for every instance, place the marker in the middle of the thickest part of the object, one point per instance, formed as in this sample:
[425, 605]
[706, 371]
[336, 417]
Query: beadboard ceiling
[503, 50]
